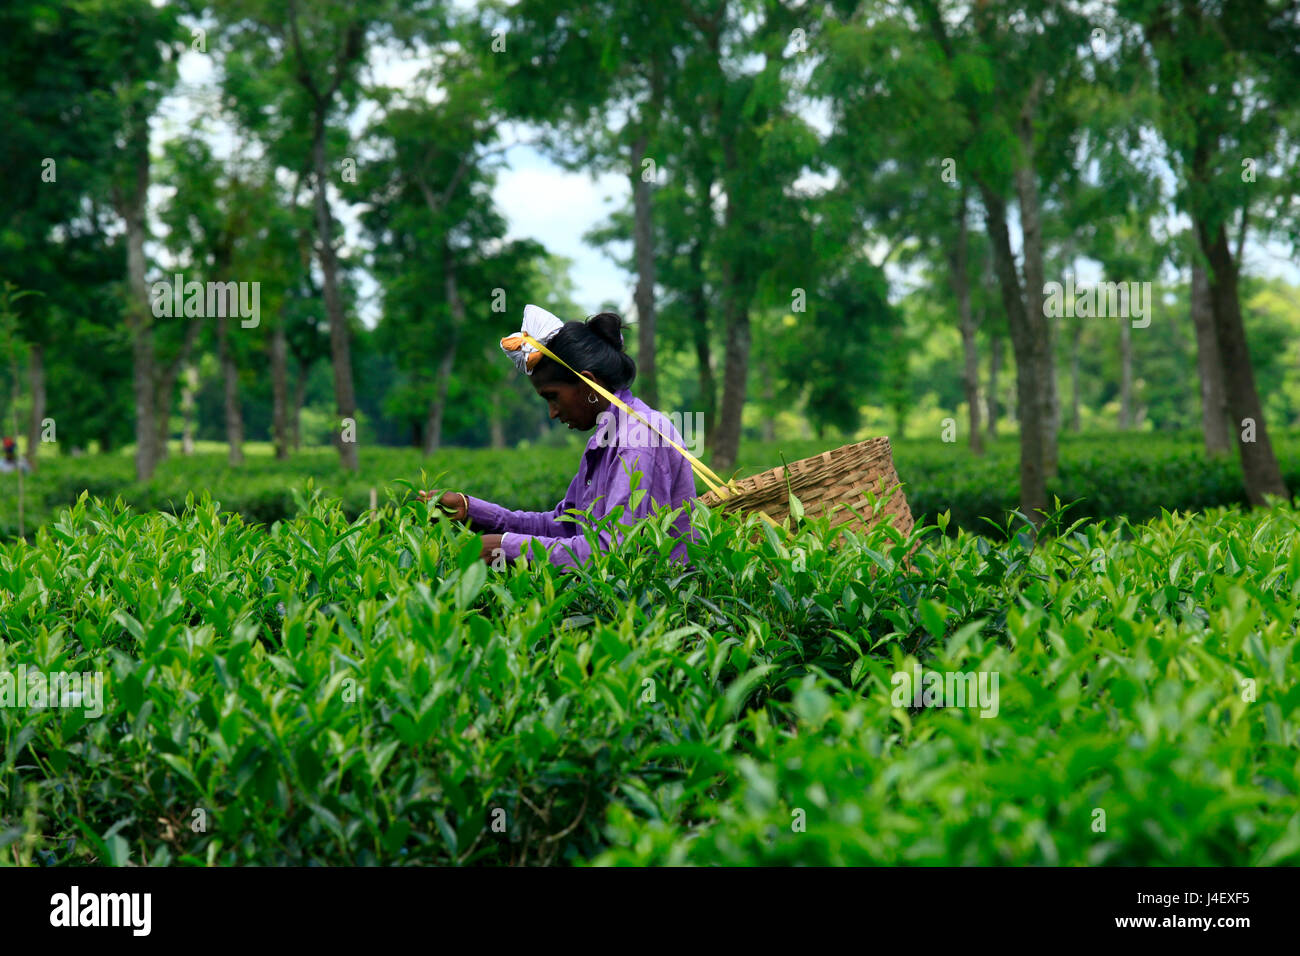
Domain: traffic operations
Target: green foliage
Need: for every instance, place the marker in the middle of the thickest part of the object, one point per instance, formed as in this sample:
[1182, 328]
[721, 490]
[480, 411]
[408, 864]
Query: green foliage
[1101, 476]
[1137, 475]
[335, 691]
[835, 350]
[292, 678]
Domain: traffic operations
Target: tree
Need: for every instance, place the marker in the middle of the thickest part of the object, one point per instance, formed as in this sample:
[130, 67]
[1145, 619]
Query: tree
[1209, 366]
[732, 128]
[1109, 199]
[132, 47]
[832, 353]
[432, 193]
[988, 154]
[13, 350]
[282, 254]
[210, 217]
[304, 62]
[686, 225]
[763, 147]
[1222, 92]
[960, 278]
[581, 70]
[877, 74]
[56, 227]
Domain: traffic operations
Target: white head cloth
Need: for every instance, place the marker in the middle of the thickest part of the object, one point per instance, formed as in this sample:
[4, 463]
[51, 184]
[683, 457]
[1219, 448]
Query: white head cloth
[542, 326]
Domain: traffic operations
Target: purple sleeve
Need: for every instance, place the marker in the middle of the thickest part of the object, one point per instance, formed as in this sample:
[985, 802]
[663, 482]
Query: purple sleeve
[567, 550]
[484, 516]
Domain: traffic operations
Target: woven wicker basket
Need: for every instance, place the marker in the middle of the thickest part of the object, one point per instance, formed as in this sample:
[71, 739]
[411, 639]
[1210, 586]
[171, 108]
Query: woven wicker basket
[826, 483]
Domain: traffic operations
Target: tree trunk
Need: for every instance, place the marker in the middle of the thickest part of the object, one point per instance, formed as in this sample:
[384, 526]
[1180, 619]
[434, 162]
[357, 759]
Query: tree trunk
[1258, 463]
[13, 423]
[166, 386]
[340, 337]
[995, 362]
[438, 403]
[643, 248]
[280, 391]
[736, 310]
[139, 317]
[1052, 400]
[190, 385]
[164, 431]
[1026, 178]
[230, 388]
[36, 378]
[1029, 343]
[960, 280]
[456, 309]
[1214, 409]
[708, 388]
[737, 291]
[769, 401]
[1075, 401]
[1125, 375]
[699, 304]
[972, 381]
[299, 396]
[496, 422]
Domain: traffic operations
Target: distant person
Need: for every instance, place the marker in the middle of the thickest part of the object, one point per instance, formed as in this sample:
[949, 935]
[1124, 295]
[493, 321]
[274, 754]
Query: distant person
[11, 462]
[622, 444]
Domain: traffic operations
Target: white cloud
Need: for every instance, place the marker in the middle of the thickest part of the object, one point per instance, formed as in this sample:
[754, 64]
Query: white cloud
[544, 202]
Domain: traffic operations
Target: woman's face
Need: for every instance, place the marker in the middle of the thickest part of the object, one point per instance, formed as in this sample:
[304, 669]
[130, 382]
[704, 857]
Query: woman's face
[569, 402]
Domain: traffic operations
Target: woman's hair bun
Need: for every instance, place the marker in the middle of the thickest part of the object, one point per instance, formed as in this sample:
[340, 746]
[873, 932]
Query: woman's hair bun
[609, 327]
[595, 346]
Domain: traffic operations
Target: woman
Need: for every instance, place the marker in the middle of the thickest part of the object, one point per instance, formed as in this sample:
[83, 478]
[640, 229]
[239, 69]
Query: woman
[623, 444]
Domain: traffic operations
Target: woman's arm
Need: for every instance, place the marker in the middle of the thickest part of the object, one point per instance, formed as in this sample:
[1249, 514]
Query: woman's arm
[484, 516]
[571, 547]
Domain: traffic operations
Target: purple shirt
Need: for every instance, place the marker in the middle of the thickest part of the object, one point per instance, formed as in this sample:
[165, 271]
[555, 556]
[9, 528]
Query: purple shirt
[620, 445]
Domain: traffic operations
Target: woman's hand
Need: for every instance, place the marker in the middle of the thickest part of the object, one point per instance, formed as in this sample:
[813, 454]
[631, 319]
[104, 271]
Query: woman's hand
[492, 552]
[453, 502]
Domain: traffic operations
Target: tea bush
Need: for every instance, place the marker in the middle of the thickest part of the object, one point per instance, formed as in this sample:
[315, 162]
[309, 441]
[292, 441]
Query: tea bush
[330, 689]
[1105, 475]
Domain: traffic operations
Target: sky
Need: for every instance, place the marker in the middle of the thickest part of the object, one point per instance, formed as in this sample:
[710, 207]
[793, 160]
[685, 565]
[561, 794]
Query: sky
[557, 207]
